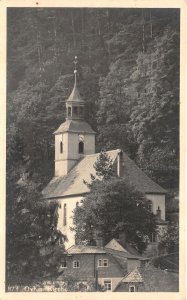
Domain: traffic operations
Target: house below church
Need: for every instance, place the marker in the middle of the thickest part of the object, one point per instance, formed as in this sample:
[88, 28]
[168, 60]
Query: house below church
[74, 162]
[98, 268]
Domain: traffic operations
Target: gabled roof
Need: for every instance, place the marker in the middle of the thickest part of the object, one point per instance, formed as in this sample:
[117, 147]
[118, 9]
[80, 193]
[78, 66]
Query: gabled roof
[73, 183]
[133, 276]
[77, 126]
[115, 245]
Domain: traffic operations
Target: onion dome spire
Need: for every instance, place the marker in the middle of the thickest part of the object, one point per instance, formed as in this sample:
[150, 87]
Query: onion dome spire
[75, 104]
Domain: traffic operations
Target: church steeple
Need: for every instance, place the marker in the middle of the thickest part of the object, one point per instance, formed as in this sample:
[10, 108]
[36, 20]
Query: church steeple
[75, 104]
[74, 137]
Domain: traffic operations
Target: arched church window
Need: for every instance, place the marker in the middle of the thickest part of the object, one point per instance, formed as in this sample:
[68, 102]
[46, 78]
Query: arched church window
[65, 214]
[81, 147]
[150, 206]
[61, 147]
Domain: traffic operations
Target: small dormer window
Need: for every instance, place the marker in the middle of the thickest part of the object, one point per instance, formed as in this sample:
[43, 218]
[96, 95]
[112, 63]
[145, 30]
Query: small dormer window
[81, 147]
[61, 147]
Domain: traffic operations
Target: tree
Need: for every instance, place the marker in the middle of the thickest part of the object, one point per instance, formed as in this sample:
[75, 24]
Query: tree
[113, 206]
[170, 240]
[34, 244]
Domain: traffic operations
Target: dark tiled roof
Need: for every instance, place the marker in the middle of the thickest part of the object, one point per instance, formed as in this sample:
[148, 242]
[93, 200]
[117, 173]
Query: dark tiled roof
[77, 126]
[73, 184]
[127, 254]
[138, 178]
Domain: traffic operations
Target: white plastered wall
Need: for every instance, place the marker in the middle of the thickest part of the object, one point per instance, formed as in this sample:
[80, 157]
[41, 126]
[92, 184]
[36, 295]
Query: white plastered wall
[66, 160]
[70, 206]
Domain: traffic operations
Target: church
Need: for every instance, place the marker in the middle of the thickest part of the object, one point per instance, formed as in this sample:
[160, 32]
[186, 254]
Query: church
[74, 162]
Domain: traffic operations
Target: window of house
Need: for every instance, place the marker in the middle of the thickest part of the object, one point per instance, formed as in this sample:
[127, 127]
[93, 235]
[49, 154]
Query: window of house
[108, 284]
[65, 215]
[63, 264]
[102, 263]
[61, 147]
[76, 264]
[81, 147]
[105, 262]
[131, 288]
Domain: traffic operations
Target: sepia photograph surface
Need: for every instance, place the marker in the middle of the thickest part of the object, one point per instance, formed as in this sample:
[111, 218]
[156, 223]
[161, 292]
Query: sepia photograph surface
[92, 150]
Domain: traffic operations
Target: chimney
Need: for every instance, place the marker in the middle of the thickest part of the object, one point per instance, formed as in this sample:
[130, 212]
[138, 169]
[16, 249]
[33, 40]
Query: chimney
[122, 238]
[99, 242]
[98, 238]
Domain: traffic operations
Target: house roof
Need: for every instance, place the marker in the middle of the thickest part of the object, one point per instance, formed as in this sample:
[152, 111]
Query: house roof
[133, 276]
[81, 249]
[115, 244]
[73, 183]
[77, 126]
[153, 279]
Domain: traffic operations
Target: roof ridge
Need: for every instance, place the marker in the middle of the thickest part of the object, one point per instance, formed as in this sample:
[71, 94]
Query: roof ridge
[93, 154]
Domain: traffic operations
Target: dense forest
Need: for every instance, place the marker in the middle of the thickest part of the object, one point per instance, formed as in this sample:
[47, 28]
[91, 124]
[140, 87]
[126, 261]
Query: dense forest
[128, 74]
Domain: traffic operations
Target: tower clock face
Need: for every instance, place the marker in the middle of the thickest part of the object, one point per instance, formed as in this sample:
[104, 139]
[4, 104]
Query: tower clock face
[81, 137]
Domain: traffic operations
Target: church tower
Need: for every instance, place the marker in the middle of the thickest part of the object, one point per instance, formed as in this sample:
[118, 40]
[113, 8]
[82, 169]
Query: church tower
[75, 137]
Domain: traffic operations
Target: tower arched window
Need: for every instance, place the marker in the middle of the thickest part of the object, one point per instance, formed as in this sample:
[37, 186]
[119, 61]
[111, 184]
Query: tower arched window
[65, 215]
[81, 147]
[69, 111]
[61, 147]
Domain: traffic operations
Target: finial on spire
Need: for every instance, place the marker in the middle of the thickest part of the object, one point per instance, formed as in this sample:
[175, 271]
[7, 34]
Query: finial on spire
[75, 70]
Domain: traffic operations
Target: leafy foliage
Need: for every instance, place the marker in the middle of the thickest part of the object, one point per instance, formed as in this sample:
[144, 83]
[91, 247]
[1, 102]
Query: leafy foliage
[113, 206]
[170, 240]
[32, 238]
